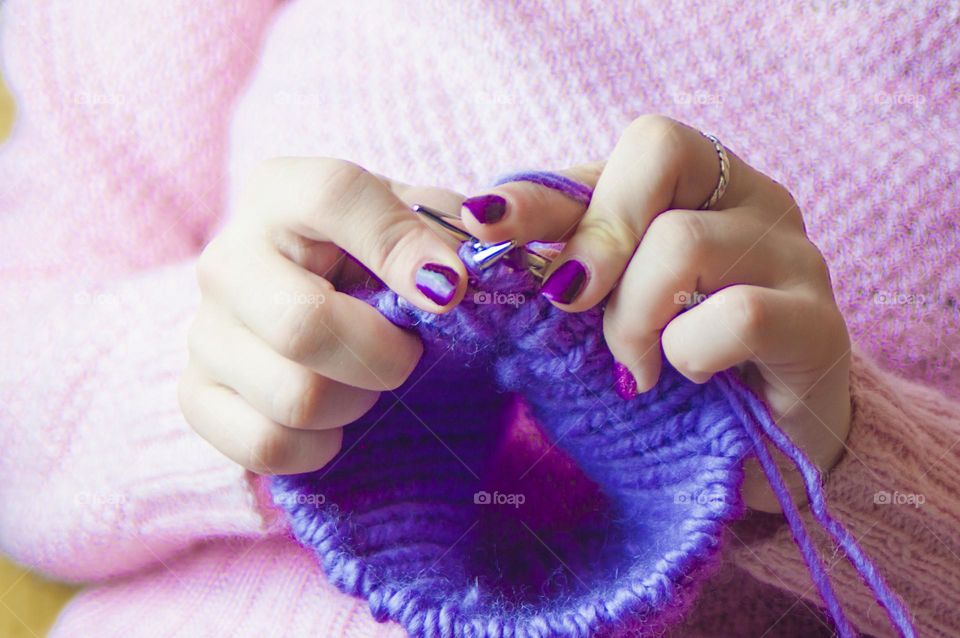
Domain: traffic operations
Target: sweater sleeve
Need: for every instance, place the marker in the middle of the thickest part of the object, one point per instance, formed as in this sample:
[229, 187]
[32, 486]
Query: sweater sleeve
[895, 491]
[112, 181]
[101, 473]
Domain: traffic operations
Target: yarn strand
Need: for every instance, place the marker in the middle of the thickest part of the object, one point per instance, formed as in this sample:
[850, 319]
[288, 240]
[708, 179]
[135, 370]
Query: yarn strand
[561, 183]
[866, 569]
[760, 425]
[814, 562]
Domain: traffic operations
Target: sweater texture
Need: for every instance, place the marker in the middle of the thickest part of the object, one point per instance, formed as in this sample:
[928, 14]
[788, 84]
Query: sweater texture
[138, 123]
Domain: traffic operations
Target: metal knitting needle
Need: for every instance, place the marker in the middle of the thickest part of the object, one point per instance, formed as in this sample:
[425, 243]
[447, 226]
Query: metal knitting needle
[537, 264]
[440, 219]
[484, 255]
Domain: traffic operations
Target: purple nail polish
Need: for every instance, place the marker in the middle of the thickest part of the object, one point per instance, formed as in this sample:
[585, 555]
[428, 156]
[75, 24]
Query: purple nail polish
[486, 209]
[625, 385]
[438, 283]
[565, 283]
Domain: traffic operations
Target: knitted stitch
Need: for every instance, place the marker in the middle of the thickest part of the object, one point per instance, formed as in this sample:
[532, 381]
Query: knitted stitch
[399, 524]
[528, 352]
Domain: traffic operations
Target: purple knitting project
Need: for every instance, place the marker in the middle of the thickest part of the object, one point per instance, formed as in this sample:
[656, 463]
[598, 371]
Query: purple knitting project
[401, 516]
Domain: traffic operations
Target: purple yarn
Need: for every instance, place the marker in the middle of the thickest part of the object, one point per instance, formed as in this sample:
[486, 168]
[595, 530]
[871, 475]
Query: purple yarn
[571, 188]
[745, 403]
[393, 518]
[398, 524]
[761, 421]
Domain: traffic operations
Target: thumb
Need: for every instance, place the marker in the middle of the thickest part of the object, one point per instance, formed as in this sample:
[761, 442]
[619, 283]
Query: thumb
[532, 206]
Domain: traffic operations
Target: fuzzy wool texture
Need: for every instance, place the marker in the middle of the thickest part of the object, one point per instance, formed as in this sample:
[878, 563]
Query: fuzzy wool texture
[139, 122]
[410, 536]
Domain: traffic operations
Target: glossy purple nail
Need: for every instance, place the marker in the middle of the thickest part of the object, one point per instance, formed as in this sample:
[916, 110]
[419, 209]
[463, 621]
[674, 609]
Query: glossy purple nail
[438, 283]
[486, 209]
[625, 384]
[565, 283]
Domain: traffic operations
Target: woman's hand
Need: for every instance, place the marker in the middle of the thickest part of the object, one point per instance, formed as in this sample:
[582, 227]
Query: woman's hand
[760, 290]
[280, 360]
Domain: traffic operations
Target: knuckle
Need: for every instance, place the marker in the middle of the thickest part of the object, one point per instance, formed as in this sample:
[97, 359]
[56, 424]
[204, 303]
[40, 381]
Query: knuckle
[200, 335]
[270, 451]
[749, 314]
[397, 365]
[680, 234]
[210, 263]
[389, 244]
[185, 397]
[337, 189]
[318, 185]
[611, 231]
[298, 398]
[660, 133]
[691, 365]
[650, 123]
[838, 328]
[782, 194]
[817, 265]
[684, 359]
[395, 377]
[832, 340]
[529, 202]
[784, 201]
[196, 339]
[337, 444]
[187, 389]
[267, 168]
[301, 332]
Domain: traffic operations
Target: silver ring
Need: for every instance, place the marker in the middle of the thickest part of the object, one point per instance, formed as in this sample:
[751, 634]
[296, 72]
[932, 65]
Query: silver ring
[724, 172]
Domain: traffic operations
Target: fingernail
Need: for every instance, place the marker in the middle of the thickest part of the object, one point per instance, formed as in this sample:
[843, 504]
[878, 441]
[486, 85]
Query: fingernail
[486, 209]
[437, 282]
[565, 283]
[625, 384]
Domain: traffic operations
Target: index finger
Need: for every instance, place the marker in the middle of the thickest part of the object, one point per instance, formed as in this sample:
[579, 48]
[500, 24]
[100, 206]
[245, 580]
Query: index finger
[330, 200]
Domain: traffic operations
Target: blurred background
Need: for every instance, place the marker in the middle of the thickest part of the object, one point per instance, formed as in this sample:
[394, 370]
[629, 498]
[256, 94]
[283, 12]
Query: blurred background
[28, 604]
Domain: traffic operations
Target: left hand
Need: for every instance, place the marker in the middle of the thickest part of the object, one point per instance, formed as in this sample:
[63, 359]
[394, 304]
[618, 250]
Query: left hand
[767, 300]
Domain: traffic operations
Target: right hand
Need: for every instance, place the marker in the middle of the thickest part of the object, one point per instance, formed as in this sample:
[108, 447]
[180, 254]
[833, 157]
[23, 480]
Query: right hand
[280, 359]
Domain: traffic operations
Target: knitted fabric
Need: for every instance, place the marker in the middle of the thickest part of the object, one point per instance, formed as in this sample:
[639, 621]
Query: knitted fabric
[129, 115]
[407, 535]
[395, 519]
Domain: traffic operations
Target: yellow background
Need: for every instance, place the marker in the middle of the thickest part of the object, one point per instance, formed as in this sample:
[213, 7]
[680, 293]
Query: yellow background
[28, 604]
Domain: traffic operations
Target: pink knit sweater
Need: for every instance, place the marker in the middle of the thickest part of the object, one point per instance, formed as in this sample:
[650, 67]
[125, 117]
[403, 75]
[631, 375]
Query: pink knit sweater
[138, 122]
